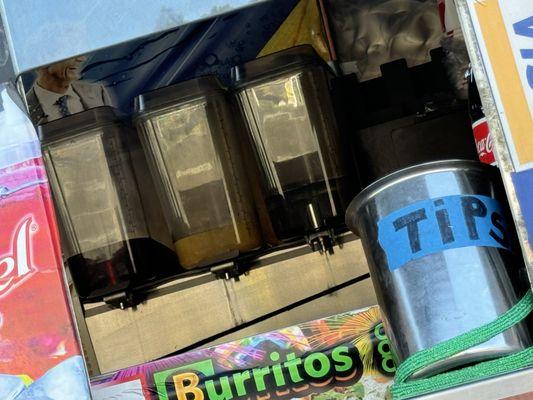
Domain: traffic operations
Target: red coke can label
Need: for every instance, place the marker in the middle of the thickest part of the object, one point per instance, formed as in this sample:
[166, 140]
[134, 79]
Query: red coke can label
[484, 144]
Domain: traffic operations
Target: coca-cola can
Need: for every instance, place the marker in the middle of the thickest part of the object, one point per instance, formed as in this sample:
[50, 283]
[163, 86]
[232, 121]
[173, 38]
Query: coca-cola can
[484, 144]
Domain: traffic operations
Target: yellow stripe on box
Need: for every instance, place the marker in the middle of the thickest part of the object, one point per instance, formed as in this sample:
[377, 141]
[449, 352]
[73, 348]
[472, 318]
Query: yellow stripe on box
[507, 78]
[302, 26]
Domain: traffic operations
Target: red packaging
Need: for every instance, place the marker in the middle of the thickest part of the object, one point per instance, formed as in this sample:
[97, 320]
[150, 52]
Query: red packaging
[449, 18]
[37, 331]
[31, 281]
[483, 138]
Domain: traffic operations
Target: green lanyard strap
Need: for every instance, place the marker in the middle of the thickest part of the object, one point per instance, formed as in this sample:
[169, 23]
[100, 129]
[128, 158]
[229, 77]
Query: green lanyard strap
[403, 389]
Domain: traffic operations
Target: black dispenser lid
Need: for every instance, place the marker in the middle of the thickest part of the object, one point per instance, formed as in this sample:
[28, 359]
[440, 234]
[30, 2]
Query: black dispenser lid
[275, 63]
[178, 93]
[80, 122]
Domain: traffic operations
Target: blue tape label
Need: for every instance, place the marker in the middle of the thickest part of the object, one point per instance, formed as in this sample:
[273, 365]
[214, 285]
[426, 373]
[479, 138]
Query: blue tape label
[434, 225]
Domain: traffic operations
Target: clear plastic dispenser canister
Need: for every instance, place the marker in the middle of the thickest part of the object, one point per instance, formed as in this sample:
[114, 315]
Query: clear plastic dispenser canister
[438, 244]
[107, 238]
[189, 132]
[287, 106]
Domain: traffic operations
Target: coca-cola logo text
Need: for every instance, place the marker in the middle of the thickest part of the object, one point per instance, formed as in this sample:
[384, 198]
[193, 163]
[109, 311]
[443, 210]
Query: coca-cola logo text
[485, 145]
[16, 265]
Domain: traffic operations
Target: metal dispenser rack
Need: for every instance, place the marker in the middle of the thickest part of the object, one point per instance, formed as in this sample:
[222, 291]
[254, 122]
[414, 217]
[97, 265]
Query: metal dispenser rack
[291, 288]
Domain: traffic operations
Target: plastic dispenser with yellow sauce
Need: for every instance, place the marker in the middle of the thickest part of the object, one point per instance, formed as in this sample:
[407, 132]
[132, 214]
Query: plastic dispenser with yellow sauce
[189, 133]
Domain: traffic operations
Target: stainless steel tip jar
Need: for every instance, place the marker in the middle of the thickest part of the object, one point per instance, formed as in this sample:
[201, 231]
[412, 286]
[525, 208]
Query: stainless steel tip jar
[438, 247]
